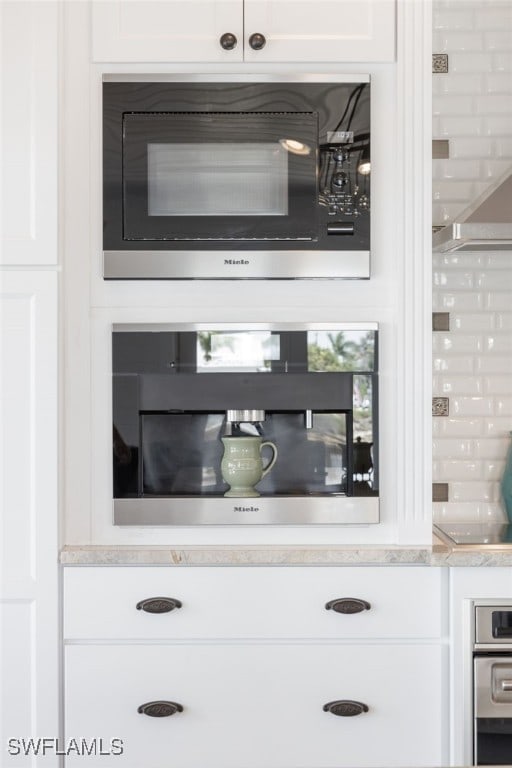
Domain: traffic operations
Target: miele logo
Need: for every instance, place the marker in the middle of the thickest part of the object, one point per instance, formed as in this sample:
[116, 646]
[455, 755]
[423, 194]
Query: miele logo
[235, 261]
[246, 509]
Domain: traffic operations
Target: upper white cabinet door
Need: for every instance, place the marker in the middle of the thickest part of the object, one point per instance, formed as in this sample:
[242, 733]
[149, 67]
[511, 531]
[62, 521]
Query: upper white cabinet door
[321, 30]
[29, 618]
[294, 30]
[166, 30]
[28, 144]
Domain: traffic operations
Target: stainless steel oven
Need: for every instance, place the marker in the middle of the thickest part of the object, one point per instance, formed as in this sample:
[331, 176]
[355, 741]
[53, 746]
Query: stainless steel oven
[492, 678]
[236, 177]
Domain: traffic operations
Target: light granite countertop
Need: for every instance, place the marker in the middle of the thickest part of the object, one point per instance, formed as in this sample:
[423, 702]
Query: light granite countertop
[439, 554]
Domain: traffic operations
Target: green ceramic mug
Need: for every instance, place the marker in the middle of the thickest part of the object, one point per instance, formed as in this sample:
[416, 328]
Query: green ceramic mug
[242, 465]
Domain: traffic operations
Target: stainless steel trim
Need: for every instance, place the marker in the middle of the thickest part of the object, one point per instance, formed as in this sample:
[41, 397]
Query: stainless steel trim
[444, 535]
[293, 510]
[314, 326]
[227, 265]
[309, 419]
[472, 236]
[483, 628]
[142, 77]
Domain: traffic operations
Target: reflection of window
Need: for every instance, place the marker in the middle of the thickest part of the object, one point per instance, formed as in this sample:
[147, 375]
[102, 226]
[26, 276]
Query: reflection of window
[331, 351]
[237, 351]
[363, 412]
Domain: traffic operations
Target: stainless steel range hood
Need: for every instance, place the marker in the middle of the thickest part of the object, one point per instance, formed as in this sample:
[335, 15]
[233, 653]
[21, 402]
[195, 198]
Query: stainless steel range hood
[485, 226]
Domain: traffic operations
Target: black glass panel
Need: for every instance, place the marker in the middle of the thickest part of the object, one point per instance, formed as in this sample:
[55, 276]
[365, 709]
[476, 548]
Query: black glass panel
[221, 176]
[494, 741]
[182, 454]
[502, 624]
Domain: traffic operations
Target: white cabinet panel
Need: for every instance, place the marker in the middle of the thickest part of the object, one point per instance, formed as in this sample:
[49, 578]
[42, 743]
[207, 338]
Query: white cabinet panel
[28, 146]
[252, 602]
[294, 30]
[248, 706]
[321, 30]
[166, 30]
[28, 510]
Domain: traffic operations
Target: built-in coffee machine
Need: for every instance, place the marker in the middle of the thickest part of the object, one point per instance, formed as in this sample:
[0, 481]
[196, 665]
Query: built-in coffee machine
[247, 424]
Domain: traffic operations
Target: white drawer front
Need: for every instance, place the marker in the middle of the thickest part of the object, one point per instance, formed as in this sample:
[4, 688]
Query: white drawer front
[250, 602]
[248, 706]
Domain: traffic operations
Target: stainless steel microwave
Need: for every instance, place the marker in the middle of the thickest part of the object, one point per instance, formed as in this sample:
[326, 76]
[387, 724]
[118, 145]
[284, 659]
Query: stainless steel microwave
[240, 177]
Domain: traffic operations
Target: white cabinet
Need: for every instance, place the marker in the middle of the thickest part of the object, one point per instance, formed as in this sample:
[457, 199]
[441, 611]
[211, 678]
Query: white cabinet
[253, 655]
[29, 619]
[248, 705]
[192, 30]
[28, 142]
[29, 616]
[251, 602]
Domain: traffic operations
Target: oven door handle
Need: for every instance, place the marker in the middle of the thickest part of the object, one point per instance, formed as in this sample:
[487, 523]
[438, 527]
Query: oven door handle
[506, 685]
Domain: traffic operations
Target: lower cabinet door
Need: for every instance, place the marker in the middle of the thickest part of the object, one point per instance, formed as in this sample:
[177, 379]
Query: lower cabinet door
[253, 705]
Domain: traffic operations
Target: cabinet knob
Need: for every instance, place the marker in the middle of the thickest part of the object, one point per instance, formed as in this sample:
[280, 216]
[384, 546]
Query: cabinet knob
[159, 708]
[257, 41]
[345, 708]
[228, 41]
[158, 604]
[347, 605]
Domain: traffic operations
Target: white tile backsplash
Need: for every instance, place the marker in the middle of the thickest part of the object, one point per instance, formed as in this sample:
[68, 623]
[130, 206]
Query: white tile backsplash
[496, 385]
[453, 448]
[471, 406]
[498, 82]
[472, 103]
[456, 427]
[471, 491]
[469, 510]
[472, 365]
[482, 321]
[472, 62]
[458, 40]
[494, 364]
[448, 364]
[457, 343]
[467, 385]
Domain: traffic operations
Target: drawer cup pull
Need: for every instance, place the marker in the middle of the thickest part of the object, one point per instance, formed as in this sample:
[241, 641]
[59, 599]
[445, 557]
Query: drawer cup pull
[158, 604]
[345, 708]
[159, 708]
[348, 605]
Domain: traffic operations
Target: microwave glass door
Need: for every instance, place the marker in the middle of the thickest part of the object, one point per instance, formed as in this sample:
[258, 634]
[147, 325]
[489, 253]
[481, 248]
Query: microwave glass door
[220, 176]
